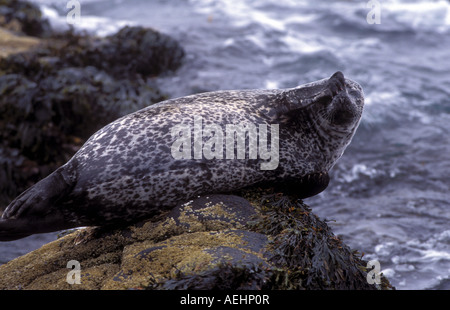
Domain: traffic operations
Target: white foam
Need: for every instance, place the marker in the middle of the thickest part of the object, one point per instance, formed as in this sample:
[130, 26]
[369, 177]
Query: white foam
[271, 84]
[56, 21]
[243, 13]
[386, 97]
[388, 272]
[302, 45]
[434, 255]
[100, 26]
[264, 19]
[357, 171]
[384, 249]
[428, 15]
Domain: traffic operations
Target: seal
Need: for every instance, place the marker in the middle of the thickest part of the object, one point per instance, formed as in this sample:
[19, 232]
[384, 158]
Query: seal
[149, 161]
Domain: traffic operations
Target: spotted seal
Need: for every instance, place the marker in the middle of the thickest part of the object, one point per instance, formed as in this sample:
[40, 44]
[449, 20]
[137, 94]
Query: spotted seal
[130, 169]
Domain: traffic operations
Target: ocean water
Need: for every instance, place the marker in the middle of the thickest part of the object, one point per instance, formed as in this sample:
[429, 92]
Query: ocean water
[389, 194]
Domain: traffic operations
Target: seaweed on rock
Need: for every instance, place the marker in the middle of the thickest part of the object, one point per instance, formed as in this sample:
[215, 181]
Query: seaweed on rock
[305, 252]
[301, 252]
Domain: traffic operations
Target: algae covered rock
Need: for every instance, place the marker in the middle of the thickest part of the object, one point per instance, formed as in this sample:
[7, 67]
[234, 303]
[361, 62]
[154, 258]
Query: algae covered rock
[12, 44]
[262, 241]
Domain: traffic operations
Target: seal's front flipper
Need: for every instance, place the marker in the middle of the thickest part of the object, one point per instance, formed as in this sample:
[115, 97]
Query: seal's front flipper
[39, 199]
[306, 186]
[313, 184]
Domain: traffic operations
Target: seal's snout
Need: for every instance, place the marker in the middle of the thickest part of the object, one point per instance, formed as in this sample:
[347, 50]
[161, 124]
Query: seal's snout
[343, 109]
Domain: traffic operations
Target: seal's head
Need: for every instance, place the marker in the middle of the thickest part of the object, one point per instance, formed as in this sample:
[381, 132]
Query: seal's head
[326, 114]
[335, 104]
[341, 104]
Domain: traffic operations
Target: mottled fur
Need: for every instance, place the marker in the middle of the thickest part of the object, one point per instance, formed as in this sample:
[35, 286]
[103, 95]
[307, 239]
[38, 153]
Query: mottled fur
[125, 171]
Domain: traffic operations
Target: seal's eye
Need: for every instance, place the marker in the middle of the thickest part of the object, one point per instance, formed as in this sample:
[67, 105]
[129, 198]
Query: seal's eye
[325, 99]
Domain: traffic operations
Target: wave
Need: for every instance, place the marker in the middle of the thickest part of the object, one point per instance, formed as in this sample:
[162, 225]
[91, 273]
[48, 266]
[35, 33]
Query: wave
[396, 15]
[57, 16]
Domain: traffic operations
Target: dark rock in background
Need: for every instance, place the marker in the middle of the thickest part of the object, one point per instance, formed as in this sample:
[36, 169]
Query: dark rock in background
[23, 17]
